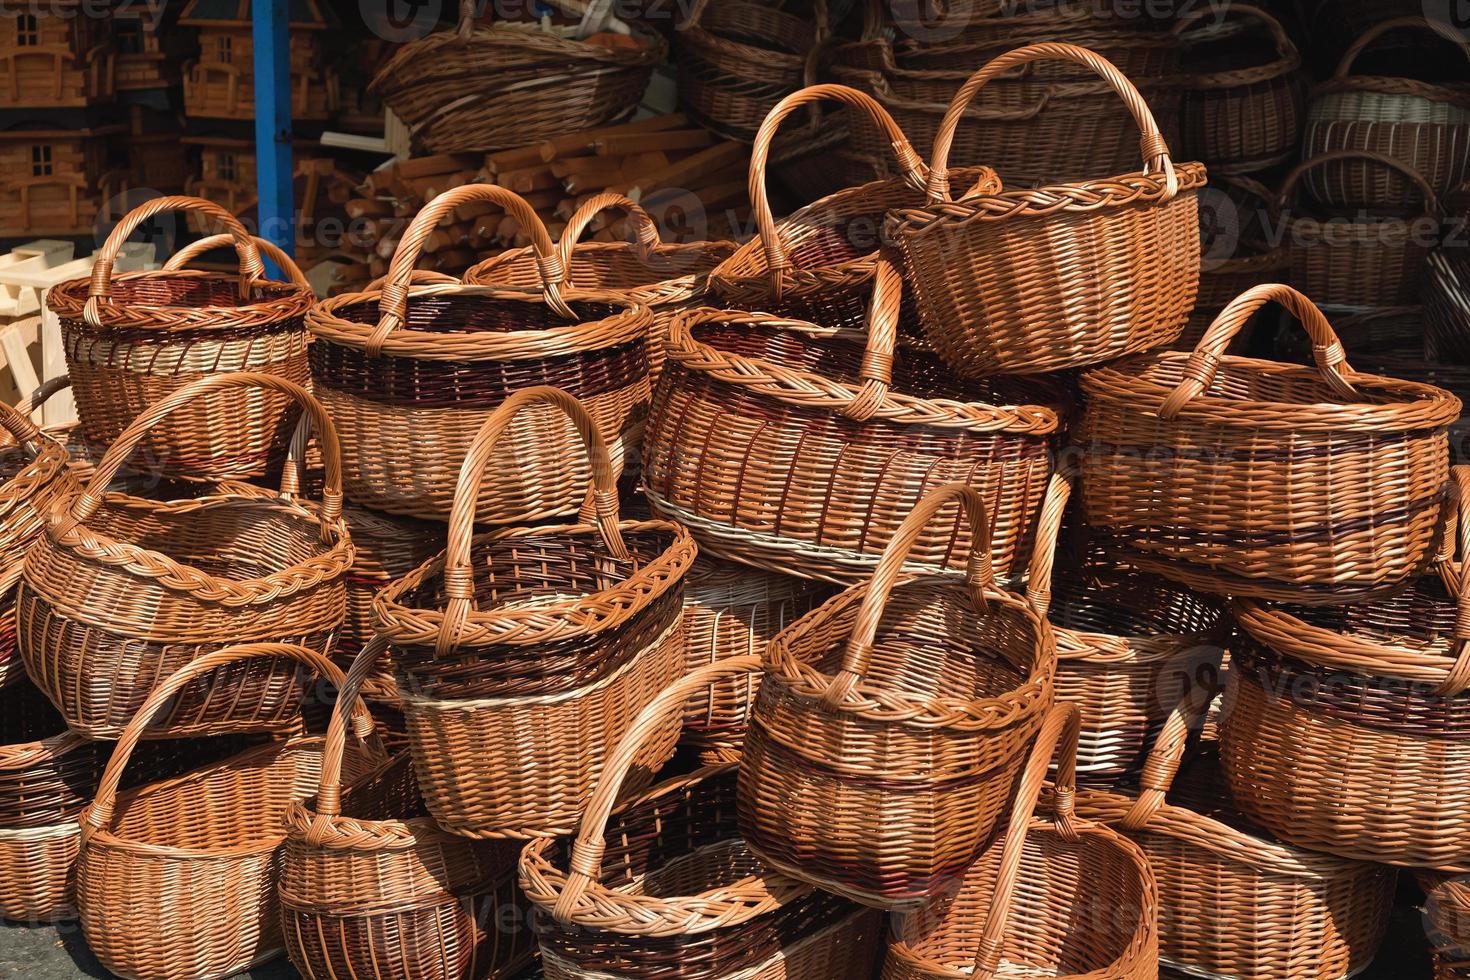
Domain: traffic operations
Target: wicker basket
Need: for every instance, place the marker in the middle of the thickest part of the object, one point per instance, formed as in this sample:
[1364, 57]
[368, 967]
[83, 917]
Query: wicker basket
[1344, 725]
[134, 339]
[1454, 378]
[523, 654]
[733, 610]
[679, 894]
[1357, 260]
[268, 250]
[370, 887]
[410, 372]
[1446, 295]
[879, 760]
[1092, 270]
[1060, 897]
[1233, 901]
[122, 591]
[662, 276]
[1426, 128]
[1447, 908]
[1243, 109]
[490, 87]
[176, 880]
[1128, 647]
[1247, 477]
[800, 449]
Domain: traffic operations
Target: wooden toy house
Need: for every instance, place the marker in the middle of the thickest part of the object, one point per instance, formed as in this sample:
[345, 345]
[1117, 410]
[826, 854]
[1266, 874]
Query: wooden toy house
[54, 56]
[148, 56]
[54, 181]
[221, 83]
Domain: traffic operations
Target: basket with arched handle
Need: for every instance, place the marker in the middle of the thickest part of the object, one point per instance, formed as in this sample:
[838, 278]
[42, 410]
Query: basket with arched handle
[409, 373]
[176, 880]
[121, 591]
[1093, 270]
[524, 653]
[1225, 473]
[892, 722]
[132, 339]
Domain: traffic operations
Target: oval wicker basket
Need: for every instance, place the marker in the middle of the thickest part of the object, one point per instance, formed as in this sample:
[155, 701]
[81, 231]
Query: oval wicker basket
[176, 880]
[1227, 473]
[409, 373]
[122, 591]
[1233, 902]
[668, 881]
[133, 339]
[1092, 270]
[523, 654]
[493, 86]
[1426, 128]
[1060, 897]
[892, 723]
[800, 449]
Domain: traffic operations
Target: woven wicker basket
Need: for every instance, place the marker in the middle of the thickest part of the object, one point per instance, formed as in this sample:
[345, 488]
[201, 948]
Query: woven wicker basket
[1232, 901]
[800, 449]
[489, 87]
[523, 654]
[1128, 647]
[134, 339]
[662, 276]
[668, 889]
[1448, 911]
[1092, 270]
[268, 250]
[176, 880]
[122, 591]
[1363, 259]
[410, 372]
[1426, 128]
[892, 723]
[1247, 477]
[371, 887]
[1060, 897]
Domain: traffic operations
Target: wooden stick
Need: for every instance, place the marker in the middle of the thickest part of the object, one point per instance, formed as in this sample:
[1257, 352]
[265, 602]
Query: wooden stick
[693, 169]
[578, 144]
[623, 144]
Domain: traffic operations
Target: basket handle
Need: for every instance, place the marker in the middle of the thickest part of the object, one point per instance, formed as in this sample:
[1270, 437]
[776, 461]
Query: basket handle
[979, 576]
[601, 505]
[648, 238]
[329, 789]
[1154, 149]
[908, 160]
[100, 288]
[99, 814]
[1372, 34]
[1167, 754]
[41, 396]
[876, 370]
[1044, 552]
[267, 248]
[1287, 195]
[466, 24]
[17, 420]
[1285, 47]
[1061, 727]
[1199, 372]
[585, 864]
[81, 507]
[393, 300]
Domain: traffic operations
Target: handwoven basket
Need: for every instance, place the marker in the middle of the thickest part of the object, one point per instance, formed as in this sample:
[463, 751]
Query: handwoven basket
[800, 449]
[1426, 128]
[668, 889]
[1033, 281]
[660, 275]
[1344, 726]
[1447, 908]
[1060, 897]
[1362, 259]
[122, 591]
[733, 610]
[1246, 477]
[1128, 647]
[491, 86]
[892, 723]
[524, 654]
[1243, 108]
[371, 887]
[410, 372]
[134, 339]
[1446, 295]
[176, 880]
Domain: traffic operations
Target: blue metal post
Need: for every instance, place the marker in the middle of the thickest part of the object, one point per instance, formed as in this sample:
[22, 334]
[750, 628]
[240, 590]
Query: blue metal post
[272, 20]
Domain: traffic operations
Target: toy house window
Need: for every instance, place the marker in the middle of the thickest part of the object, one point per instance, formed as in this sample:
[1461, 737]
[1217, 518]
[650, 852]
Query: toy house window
[27, 33]
[223, 49]
[224, 166]
[128, 35]
[41, 160]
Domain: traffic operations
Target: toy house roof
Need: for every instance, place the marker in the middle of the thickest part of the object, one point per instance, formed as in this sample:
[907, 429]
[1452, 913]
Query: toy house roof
[308, 14]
